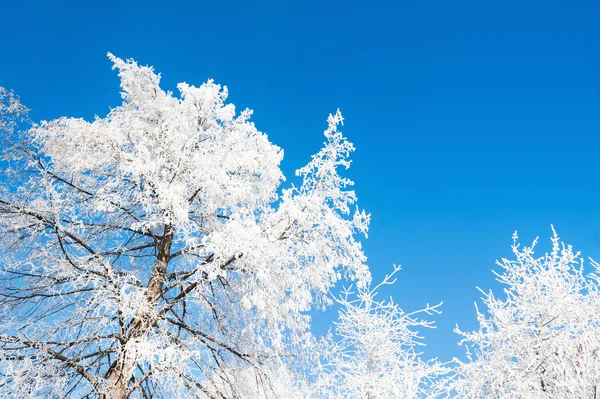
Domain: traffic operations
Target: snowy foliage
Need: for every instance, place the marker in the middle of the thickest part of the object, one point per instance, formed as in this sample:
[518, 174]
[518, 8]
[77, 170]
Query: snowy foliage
[277, 382]
[541, 341]
[11, 110]
[374, 352]
[153, 252]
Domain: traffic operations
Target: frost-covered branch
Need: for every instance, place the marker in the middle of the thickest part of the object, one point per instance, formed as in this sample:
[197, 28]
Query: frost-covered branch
[373, 352]
[11, 110]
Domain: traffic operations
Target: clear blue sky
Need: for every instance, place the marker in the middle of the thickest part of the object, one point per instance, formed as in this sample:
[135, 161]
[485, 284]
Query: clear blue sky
[471, 119]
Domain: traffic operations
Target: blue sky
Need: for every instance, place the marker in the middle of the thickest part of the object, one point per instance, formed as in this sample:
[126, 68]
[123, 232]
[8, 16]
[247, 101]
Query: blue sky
[471, 119]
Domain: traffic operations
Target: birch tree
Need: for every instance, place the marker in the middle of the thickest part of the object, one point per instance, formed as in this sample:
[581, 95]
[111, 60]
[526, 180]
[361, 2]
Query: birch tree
[154, 252]
[543, 339]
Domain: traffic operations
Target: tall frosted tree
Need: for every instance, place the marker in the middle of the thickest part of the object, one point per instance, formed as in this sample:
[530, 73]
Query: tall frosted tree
[542, 340]
[153, 253]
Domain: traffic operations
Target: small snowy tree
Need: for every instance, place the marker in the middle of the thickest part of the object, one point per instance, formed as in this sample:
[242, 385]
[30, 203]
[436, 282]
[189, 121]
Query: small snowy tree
[543, 339]
[374, 350]
[151, 253]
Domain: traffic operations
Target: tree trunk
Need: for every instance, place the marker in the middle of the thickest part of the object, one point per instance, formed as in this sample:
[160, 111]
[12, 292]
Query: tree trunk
[123, 368]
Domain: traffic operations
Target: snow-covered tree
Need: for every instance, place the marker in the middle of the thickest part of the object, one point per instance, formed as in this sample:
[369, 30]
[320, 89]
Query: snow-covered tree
[543, 339]
[374, 350]
[153, 253]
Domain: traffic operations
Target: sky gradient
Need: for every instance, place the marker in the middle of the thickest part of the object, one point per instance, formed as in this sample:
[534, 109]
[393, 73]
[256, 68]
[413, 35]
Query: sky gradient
[471, 119]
